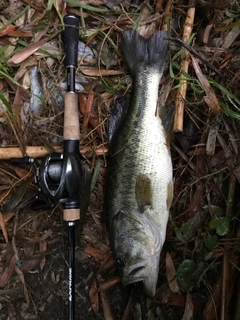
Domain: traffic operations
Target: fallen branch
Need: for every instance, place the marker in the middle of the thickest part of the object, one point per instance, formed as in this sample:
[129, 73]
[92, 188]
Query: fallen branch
[41, 151]
[181, 94]
[167, 14]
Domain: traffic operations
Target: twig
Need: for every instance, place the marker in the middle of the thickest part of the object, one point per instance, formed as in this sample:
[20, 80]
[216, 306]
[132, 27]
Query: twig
[196, 54]
[230, 198]
[181, 94]
[225, 277]
[106, 306]
[16, 133]
[18, 271]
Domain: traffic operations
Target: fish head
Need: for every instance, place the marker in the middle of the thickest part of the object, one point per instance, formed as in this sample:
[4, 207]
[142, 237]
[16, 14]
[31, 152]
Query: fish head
[137, 247]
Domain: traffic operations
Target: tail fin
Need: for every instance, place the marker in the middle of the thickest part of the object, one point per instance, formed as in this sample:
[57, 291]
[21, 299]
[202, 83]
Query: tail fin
[149, 52]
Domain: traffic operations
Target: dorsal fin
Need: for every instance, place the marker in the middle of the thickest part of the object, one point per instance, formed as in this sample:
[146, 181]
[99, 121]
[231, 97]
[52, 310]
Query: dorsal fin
[118, 114]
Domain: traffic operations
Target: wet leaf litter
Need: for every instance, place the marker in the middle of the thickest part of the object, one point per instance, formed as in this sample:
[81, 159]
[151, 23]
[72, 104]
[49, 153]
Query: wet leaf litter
[202, 233]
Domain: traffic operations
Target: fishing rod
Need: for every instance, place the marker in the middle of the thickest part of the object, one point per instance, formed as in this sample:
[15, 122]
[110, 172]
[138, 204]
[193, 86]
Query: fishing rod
[71, 139]
[59, 175]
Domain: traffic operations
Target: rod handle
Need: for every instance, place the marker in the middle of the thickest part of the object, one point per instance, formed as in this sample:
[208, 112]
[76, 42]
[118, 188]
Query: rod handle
[70, 38]
[71, 129]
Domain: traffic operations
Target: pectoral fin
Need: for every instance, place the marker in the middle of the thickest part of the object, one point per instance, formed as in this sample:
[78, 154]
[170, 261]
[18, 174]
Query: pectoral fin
[169, 194]
[143, 191]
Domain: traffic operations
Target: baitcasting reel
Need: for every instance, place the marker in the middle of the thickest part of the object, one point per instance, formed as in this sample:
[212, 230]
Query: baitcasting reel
[59, 176]
[57, 179]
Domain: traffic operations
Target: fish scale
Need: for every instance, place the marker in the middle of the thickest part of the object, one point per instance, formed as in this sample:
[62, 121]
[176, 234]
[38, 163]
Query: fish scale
[139, 181]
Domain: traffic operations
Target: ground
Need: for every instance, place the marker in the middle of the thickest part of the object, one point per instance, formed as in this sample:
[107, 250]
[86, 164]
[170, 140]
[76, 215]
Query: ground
[199, 265]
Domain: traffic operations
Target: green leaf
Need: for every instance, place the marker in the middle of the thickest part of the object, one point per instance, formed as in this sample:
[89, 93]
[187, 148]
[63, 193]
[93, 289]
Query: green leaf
[180, 52]
[221, 225]
[5, 102]
[232, 14]
[211, 241]
[111, 42]
[95, 174]
[87, 7]
[184, 232]
[16, 17]
[108, 58]
[184, 274]
[16, 198]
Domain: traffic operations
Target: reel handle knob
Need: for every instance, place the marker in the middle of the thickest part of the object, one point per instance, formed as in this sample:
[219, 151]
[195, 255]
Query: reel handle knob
[21, 161]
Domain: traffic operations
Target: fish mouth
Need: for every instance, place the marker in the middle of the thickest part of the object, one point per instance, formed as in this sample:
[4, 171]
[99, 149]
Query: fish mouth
[142, 272]
[134, 273]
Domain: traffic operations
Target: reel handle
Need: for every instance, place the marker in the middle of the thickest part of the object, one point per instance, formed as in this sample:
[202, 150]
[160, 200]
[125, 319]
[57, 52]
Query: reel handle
[70, 40]
[21, 161]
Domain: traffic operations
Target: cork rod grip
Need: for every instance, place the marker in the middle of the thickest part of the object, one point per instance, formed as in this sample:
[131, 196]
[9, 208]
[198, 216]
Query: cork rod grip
[71, 120]
[71, 214]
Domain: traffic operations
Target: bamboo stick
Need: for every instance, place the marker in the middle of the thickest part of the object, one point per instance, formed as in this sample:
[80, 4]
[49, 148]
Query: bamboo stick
[185, 57]
[167, 13]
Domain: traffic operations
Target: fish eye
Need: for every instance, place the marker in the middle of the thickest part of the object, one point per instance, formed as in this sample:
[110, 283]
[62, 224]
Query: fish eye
[121, 262]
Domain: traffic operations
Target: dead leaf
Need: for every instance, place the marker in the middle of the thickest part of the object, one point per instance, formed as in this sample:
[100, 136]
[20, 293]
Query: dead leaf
[3, 227]
[109, 283]
[107, 312]
[158, 4]
[171, 274]
[21, 172]
[22, 279]
[231, 36]
[28, 51]
[29, 62]
[188, 312]
[20, 34]
[101, 73]
[237, 173]
[87, 108]
[165, 296]
[12, 8]
[5, 277]
[95, 253]
[212, 136]
[207, 32]
[42, 248]
[88, 112]
[93, 296]
[31, 264]
[60, 6]
[6, 31]
[210, 98]
[8, 216]
[16, 197]
[107, 263]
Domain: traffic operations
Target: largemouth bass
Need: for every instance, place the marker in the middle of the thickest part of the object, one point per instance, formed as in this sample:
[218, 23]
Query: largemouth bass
[139, 183]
